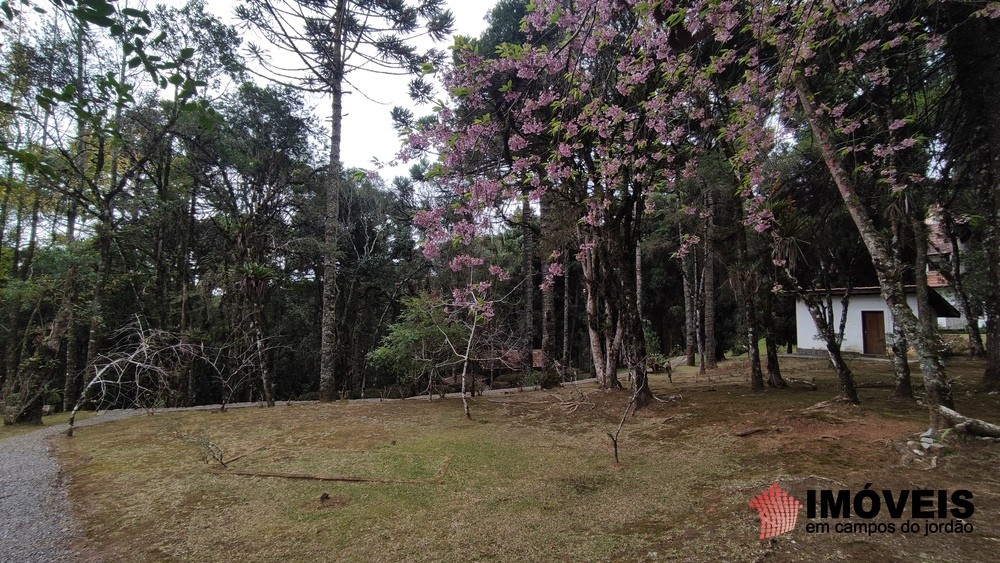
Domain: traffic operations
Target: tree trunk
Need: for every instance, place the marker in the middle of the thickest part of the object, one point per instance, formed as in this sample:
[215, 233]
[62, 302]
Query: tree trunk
[331, 231]
[613, 338]
[971, 44]
[643, 395]
[104, 242]
[527, 318]
[991, 377]
[548, 253]
[924, 311]
[587, 260]
[900, 346]
[604, 332]
[774, 378]
[257, 330]
[753, 352]
[750, 321]
[953, 273]
[888, 270]
[700, 323]
[34, 375]
[70, 384]
[638, 281]
[904, 388]
[690, 306]
[708, 354]
[566, 309]
[824, 326]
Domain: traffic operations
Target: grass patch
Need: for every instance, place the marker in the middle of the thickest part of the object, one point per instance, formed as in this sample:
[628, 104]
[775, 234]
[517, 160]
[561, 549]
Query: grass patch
[47, 420]
[527, 479]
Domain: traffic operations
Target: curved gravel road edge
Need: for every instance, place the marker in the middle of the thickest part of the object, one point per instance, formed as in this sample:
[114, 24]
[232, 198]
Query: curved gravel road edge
[36, 517]
[37, 524]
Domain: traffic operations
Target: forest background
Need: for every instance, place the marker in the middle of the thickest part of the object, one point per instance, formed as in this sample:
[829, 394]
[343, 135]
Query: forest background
[606, 182]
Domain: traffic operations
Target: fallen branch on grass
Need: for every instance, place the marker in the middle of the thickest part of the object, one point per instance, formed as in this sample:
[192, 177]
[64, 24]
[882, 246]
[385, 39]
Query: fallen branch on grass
[342, 478]
[212, 450]
[751, 431]
[801, 382]
[443, 470]
[243, 455]
[337, 478]
[669, 399]
[570, 406]
[972, 426]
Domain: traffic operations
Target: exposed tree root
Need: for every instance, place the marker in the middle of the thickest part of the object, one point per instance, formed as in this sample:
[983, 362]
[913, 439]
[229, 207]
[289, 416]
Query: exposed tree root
[834, 402]
[808, 384]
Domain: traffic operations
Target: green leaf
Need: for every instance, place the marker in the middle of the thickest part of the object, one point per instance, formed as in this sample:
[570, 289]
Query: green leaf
[141, 14]
[676, 18]
[45, 102]
[100, 7]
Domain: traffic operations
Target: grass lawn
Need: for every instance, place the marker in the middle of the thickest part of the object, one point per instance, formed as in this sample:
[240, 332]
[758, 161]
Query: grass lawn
[530, 478]
[47, 420]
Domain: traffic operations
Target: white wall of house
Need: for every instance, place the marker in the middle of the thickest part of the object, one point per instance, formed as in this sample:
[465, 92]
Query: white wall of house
[952, 323]
[809, 340]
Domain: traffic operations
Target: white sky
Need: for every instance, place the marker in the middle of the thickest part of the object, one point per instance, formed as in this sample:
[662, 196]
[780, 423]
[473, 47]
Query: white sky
[367, 127]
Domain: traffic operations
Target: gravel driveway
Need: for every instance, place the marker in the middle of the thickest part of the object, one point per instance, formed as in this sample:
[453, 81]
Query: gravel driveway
[36, 517]
[36, 520]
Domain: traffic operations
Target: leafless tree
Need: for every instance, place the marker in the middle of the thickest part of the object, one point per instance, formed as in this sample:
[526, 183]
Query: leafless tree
[142, 370]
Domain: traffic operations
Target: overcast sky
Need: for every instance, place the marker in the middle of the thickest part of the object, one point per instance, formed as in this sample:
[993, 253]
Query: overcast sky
[368, 131]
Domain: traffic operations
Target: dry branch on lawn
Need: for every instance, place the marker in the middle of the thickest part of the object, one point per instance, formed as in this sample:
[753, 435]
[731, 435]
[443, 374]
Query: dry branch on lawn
[337, 478]
[968, 425]
[243, 455]
[441, 472]
[751, 431]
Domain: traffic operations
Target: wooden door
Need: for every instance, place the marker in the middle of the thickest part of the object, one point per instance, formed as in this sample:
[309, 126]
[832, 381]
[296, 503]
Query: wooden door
[873, 328]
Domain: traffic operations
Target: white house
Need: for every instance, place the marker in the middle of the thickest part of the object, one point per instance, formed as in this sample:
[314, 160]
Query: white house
[939, 254]
[869, 323]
